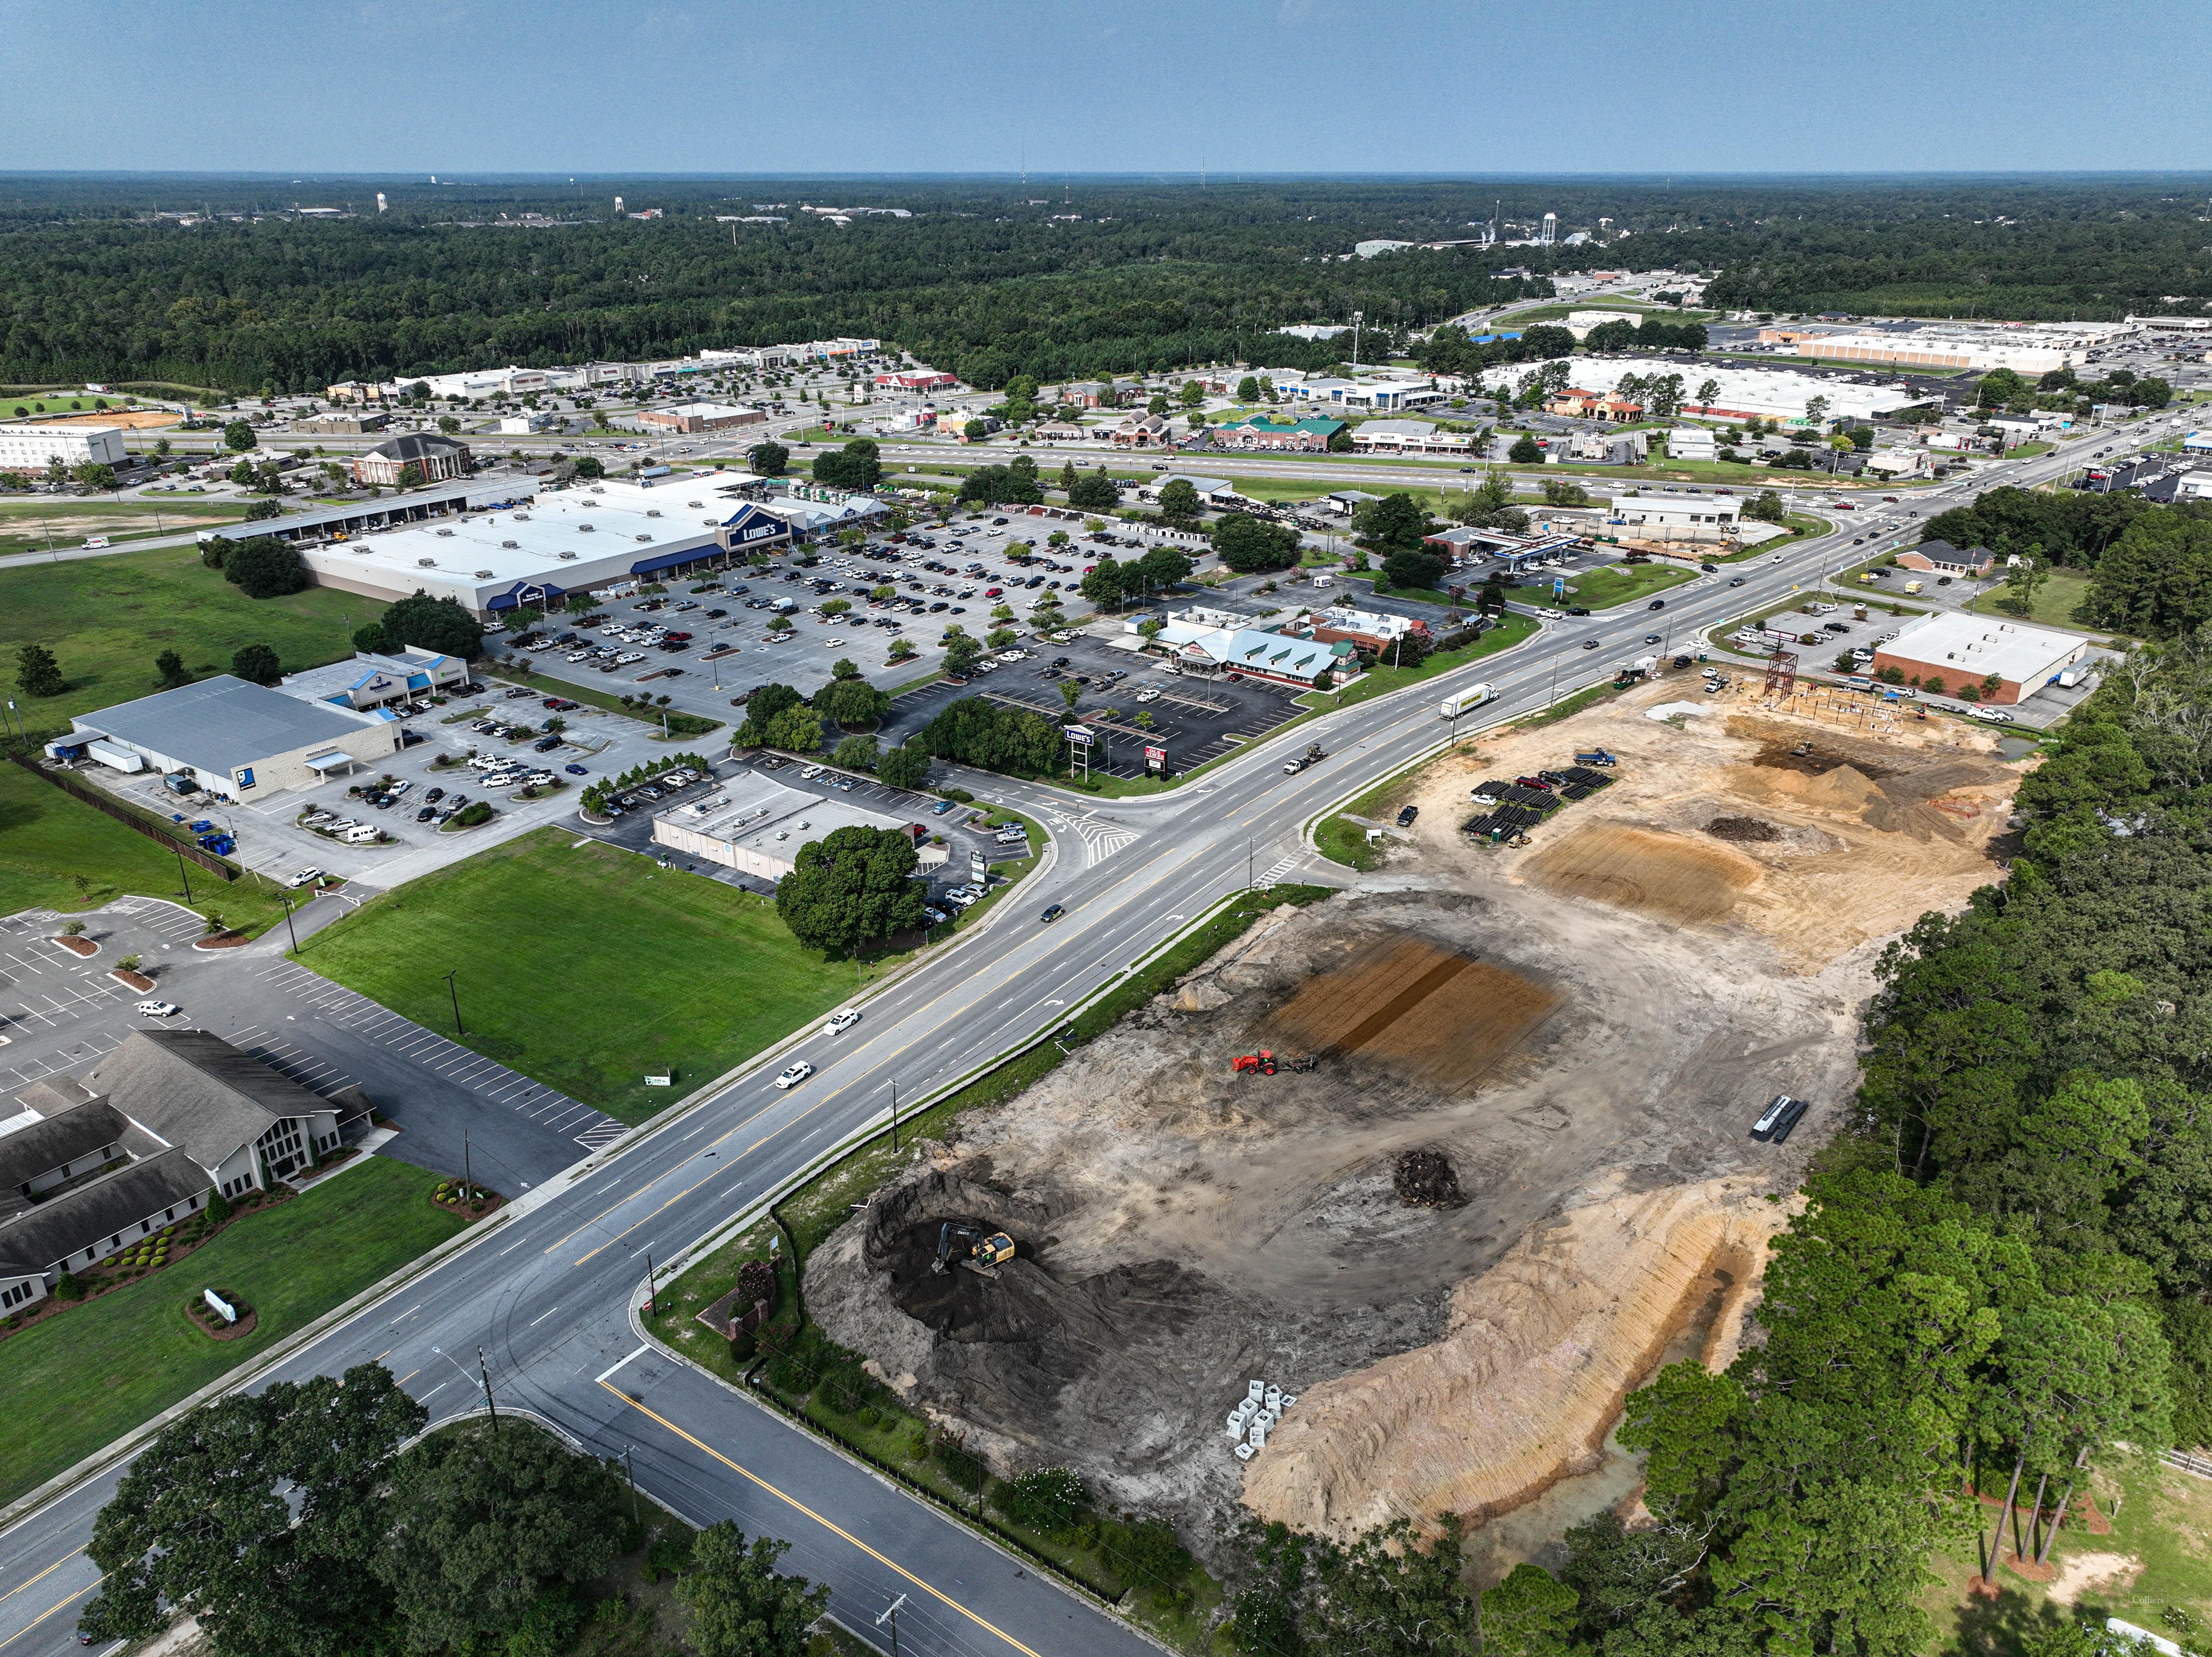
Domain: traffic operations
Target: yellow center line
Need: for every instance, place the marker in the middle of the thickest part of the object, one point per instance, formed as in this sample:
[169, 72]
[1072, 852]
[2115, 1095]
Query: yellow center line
[827, 1525]
[102, 1577]
[39, 1578]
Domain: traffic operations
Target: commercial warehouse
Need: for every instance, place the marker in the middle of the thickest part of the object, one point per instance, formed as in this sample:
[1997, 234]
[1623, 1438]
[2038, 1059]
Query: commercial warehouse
[238, 741]
[758, 825]
[1946, 653]
[701, 416]
[27, 446]
[385, 513]
[539, 551]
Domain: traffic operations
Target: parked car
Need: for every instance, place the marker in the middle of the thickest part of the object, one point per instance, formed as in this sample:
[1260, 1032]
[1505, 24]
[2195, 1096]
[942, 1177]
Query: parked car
[158, 1010]
[296, 880]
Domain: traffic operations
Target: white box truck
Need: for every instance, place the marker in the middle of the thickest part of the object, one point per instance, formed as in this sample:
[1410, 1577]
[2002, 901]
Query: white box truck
[1465, 701]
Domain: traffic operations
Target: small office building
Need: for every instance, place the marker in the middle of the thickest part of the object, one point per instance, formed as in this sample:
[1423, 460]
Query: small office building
[437, 459]
[1944, 559]
[756, 826]
[237, 741]
[365, 681]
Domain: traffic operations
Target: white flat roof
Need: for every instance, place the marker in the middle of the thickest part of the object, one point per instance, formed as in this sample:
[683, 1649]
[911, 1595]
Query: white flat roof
[1979, 646]
[761, 814]
[573, 538]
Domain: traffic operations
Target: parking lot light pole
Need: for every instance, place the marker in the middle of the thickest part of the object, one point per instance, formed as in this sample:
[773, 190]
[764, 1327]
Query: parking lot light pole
[456, 994]
[285, 898]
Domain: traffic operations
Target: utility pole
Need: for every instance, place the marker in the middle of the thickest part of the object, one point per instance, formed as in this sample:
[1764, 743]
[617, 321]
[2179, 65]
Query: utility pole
[894, 1118]
[468, 1179]
[648, 1282]
[456, 994]
[285, 898]
[484, 1370]
[890, 1616]
[181, 872]
[629, 1467]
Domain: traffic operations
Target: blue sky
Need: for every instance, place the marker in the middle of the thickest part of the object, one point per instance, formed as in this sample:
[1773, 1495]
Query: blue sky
[1089, 86]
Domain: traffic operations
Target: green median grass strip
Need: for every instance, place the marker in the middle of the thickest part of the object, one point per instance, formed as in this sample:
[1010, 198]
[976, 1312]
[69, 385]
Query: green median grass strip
[588, 968]
[56, 853]
[1610, 584]
[80, 1380]
[107, 619]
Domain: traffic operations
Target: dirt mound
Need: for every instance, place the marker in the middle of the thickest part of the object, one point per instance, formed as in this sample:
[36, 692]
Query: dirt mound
[1659, 874]
[1744, 830]
[1537, 1354]
[1424, 1178]
[1424, 1012]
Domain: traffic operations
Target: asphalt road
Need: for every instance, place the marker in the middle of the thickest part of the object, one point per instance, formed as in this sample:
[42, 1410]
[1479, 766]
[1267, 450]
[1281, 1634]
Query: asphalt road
[546, 1289]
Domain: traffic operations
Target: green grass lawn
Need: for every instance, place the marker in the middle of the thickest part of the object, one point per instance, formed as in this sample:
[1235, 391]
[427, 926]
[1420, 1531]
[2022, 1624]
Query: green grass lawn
[78, 1381]
[1614, 583]
[105, 619]
[586, 967]
[49, 840]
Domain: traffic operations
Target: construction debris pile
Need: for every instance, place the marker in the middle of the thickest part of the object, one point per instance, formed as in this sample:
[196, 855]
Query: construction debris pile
[1423, 1178]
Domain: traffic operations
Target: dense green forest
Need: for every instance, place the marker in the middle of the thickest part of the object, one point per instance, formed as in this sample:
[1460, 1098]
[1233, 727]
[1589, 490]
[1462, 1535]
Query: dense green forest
[2150, 566]
[990, 279]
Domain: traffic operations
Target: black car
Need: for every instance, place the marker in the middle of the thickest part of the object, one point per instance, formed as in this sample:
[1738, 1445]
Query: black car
[1406, 815]
[543, 745]
[426, 813]
[434, 795]
[1052, 914]
[1578, 610]
[1710, 569]
[1656, 603]
[716, 615]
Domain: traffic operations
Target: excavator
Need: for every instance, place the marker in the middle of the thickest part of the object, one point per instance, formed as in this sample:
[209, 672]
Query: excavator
[984, 1254]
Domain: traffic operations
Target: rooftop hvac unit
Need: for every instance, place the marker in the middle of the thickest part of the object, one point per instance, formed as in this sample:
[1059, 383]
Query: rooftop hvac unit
[510, 545]
[426, 563]
[522, 518]
[596, 489]
[652, 512]
[566, 554]
[445, 532]
[695, 505]
[484, 575]
[711, 523]
[586, 528]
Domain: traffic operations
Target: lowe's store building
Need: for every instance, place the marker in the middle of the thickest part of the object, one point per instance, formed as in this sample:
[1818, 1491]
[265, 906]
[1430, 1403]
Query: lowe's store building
[538, 549]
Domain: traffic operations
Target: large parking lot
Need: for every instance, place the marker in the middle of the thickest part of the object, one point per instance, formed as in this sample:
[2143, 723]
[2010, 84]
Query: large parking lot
[1131, 701]
[938, 577]
[271, 840]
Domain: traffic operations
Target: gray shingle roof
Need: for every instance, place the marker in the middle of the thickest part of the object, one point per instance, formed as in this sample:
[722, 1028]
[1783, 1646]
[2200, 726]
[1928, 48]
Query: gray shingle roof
[86, 1216]
[198, 1092]
[221, 724]
[66, 1137]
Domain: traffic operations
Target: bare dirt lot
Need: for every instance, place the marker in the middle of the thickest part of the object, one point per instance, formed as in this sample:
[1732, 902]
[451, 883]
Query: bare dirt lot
[1517, 1178]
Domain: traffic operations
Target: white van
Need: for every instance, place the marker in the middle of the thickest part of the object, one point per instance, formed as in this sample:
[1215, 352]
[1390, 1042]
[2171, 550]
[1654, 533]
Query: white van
[360, 834]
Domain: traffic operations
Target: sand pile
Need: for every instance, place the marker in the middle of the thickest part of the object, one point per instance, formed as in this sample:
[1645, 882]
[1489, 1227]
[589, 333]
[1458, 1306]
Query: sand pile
[1539, 1353]
[1668, 876]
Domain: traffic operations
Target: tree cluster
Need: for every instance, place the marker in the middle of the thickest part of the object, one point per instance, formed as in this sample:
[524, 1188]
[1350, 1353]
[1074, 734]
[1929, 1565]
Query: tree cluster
[979, 732]
[1110, 582]
[851, 888]
[262, 567]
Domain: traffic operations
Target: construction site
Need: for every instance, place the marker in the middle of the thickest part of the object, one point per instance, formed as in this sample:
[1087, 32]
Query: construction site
[1494, 1166]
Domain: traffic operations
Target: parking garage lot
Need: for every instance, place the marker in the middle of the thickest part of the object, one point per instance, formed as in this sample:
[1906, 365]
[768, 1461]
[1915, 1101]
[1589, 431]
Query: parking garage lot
[1194, 719]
